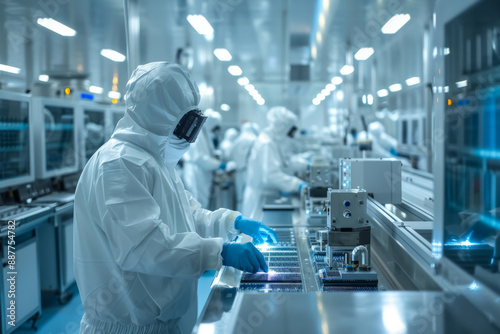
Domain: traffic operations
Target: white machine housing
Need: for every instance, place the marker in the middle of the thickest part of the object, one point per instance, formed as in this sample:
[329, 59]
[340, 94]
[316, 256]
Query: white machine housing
[381, 178]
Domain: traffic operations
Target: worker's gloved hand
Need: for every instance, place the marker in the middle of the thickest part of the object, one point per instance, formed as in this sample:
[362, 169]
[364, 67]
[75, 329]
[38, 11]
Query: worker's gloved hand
[258, 231]
[230, 166]
[302, 186]
[243, 257]
[222, 166]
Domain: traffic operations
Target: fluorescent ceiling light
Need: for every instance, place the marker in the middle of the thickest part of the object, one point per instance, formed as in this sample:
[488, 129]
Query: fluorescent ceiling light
[462, 84]
[413, 81]
[254, 92]
[114, 95]
[243, 81]
[43, 77]
[201, 25]
[320, 97]
[370, 99]
[56, 27]
[249, 87]
[9, 69]
[331, 87]
[395, 87]
[113, 55]
[261, 102]
[383, 93]
[325, 92]
[364, 53]
[222, 54]
[95, 89]
[235, 70]
[395, 23]
[225, 107]
[337, 80]
[316, 102]
[346, 70]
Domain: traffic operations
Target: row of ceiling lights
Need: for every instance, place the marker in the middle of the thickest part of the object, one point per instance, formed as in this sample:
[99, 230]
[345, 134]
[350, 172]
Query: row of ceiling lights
[391, 27]
[203, 27]
[66, 31]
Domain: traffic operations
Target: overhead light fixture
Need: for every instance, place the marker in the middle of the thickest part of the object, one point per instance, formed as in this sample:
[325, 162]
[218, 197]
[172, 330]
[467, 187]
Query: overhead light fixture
[56, 27]
[316, 102]
[383, 93]
[201, 25]
[331, 87]
[325, 92]
[114, 95]
[95, 89]
[261, 102]
[364, 53]
[413, 81]
[225, 107]
[243, 81]
[364, 99]
[337, 80]
[320, 97]
[249, 87]
[222, 54]
[254, 93]
[346, 70]
[462, 84]
[395, 23]
[235, 70]
[447, 89]
[43, 77]
[395, 88]
[9, 69]
[113, 55]
[370, 99]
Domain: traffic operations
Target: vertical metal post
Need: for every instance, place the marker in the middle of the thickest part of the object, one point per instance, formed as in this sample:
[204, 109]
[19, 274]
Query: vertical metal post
[132, 30]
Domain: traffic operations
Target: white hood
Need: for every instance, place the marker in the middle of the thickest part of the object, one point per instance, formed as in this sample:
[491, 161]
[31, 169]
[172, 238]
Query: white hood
[158, 95]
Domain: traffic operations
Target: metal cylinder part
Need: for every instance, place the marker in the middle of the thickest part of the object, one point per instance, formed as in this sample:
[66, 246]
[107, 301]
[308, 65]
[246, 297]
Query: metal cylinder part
[360, 255]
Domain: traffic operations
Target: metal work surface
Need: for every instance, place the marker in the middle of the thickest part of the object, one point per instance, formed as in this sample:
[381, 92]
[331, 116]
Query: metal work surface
[230, 311]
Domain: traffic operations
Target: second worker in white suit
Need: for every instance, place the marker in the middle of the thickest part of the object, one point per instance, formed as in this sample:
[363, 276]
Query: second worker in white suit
[201, 161]
[268, 163]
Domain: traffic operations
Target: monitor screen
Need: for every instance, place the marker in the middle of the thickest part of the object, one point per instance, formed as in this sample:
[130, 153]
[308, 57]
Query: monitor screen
[14, 139]
[59, 137]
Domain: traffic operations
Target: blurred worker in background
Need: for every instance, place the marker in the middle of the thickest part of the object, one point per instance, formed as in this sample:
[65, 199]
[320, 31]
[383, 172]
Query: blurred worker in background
[141, 240]
[268, 162]
[201, 161]
[240, 154]
[227, 144]
[383, 145]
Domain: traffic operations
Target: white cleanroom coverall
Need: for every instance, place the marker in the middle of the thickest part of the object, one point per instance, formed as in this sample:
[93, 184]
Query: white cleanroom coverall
[201, 161]
[141, 241]
[267, 165]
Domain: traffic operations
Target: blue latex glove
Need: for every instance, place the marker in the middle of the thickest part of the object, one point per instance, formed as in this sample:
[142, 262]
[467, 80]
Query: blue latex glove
[304, 184]
[243, 257]
[222, 165]
[285, 194]
[258, 231]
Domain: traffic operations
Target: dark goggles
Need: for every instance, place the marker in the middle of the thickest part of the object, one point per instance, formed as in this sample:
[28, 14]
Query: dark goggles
[190, 125]
[291, 133]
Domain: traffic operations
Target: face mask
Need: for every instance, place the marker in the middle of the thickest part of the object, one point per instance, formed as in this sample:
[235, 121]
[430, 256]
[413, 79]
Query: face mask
[175, 150]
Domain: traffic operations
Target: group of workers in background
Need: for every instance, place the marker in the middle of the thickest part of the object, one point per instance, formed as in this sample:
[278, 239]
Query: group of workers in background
[141, 239]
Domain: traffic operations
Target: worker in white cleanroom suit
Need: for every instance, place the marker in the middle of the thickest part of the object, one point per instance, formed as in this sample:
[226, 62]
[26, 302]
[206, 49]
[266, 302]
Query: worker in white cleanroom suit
[202, 161]
[141, 241]
[240, 154]
[383, 145]
[227, 144]
[267, 165]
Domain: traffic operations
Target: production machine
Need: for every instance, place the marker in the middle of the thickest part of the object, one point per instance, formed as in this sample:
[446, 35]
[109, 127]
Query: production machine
[322, 176]
[345, 243]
